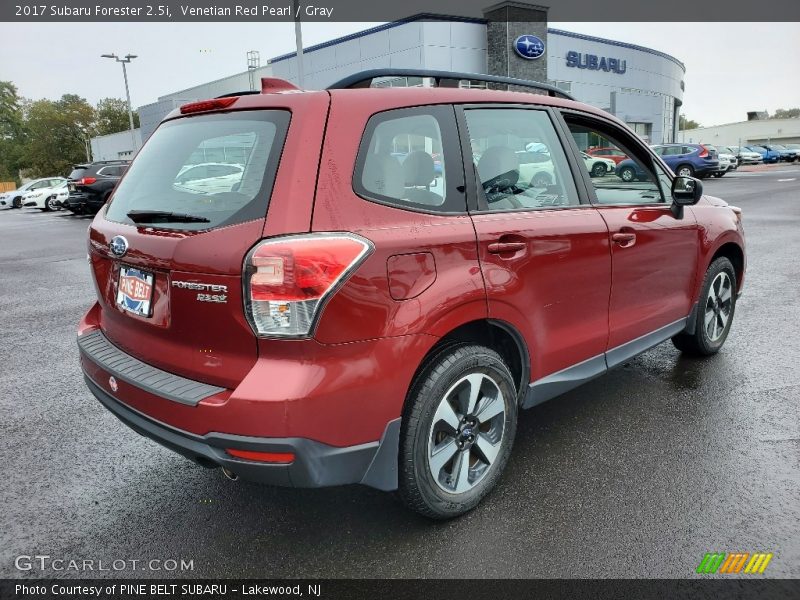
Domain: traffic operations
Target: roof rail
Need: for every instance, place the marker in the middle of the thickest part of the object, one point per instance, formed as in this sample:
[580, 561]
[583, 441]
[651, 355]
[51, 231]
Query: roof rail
[364, 79]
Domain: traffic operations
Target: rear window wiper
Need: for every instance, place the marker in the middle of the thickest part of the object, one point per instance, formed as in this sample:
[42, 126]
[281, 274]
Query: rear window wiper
[163, 216]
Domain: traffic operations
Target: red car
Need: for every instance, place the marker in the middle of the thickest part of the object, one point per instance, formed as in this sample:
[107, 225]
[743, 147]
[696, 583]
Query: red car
[327, 314]
[614, 154]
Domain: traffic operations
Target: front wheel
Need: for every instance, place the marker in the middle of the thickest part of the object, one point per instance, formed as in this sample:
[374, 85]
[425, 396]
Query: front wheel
[598, 170]
[16, 202]
[458, 429]
[685, 171]
[49, 204]
[714, 311]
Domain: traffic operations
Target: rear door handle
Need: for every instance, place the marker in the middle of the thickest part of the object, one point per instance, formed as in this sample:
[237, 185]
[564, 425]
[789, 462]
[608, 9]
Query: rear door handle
[501, 247]
[624, 240]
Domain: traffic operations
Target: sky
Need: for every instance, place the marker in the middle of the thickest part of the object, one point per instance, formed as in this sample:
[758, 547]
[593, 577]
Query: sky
[723, 80]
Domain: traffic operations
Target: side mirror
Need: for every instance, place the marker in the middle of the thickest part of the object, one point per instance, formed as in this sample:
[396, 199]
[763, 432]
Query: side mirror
[686, 191]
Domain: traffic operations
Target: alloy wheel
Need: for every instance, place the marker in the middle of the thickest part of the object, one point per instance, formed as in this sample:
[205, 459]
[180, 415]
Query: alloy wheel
[719, 304]
[467, 433]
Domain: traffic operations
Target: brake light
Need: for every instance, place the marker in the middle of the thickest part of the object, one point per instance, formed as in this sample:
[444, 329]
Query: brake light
[204, 105]
[703, 152]
[87, 180]
[289, 279]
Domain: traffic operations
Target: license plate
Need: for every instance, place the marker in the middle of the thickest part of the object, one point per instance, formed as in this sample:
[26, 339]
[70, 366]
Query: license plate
[135, 291]
[71, 187]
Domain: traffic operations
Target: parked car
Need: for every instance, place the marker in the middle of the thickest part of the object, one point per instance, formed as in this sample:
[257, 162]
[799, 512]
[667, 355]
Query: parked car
[745, 156]
[210, 178]
[598, 166]
[689, 160]
[727, 161]
[767, 155]
[91, 184]
[46, 199]
[795, 148]
[13, 199]
[614, 154]
[784, 153]
[332, 322]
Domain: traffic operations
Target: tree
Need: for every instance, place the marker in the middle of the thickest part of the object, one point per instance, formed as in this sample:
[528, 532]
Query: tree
[111, 116]
[789, 113]
[12, 132]
[57, 134]
[684, 123]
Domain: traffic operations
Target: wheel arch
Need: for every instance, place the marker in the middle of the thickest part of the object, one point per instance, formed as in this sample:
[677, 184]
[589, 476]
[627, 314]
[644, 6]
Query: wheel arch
[500, 336]
[734, 253]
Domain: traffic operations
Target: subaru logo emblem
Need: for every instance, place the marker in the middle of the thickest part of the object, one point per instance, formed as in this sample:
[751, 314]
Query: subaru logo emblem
[529, 47]
[118, 245]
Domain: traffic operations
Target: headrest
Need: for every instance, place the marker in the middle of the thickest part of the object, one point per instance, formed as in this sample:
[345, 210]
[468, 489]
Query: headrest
[498, 168]
[383, 175]
[418, 169]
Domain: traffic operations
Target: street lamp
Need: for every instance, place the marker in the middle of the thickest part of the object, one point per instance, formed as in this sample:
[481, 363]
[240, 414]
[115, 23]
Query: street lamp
[128, 58]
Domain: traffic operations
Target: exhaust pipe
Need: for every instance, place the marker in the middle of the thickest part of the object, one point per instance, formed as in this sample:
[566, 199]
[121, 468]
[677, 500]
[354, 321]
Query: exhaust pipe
[229, 474]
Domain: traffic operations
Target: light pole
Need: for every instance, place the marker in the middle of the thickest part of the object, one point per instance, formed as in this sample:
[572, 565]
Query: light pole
[128, 58]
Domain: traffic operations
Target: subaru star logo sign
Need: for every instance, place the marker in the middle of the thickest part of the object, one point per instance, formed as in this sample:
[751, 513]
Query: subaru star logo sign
[118, 245]
[529, 47]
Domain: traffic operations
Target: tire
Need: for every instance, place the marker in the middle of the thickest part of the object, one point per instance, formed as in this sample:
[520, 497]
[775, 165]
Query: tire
[598, 170]
[719, 174]
[684, 171]
[48, 204]
[16, 202]
[715, 311]
[627, 174]
[432, 482]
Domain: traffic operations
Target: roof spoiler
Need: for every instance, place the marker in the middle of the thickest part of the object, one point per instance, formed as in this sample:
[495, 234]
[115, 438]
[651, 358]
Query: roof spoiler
[364, 79]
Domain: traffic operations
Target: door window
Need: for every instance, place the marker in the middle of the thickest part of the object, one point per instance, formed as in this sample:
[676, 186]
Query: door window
[409, 158]
[518, 160]
[636, 180]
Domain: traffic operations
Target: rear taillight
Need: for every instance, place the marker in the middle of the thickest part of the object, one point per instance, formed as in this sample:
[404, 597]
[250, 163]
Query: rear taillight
[86, 180]
[287, 280]
[703, 152]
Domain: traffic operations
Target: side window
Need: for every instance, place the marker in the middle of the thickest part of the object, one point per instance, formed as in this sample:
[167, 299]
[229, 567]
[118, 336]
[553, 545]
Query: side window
[687, 150]
[410, 158]
[519, 160]
[635, 179]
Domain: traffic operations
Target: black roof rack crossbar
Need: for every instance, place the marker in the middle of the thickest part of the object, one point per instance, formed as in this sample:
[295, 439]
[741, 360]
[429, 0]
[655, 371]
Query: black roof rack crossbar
[364, 79]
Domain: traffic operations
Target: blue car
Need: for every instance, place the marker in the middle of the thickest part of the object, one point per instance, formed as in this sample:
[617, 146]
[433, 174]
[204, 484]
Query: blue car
[686, 160]
[768, 155]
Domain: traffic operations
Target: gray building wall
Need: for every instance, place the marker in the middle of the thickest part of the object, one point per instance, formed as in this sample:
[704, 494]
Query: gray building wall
[116, 146]
[777, 131]
[648, 93]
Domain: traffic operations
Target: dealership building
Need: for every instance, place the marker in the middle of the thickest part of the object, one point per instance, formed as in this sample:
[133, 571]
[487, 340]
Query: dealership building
[641, 86]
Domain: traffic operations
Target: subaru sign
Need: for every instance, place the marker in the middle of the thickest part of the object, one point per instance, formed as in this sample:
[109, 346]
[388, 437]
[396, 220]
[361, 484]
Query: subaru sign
[593, 62]
[529, 47]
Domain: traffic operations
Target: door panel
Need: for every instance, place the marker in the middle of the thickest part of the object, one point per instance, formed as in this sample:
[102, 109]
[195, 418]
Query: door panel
[545, 256]
[555, 290]
[653, 253]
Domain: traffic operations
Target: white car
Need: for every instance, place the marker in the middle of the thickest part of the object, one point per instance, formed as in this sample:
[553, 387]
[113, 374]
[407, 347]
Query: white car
[209, 178]
[13, 199]
[598, 167]
[46, 198]
[746, 157]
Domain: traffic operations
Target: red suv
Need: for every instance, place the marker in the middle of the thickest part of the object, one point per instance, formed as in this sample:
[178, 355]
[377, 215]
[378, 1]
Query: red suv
[334, 309]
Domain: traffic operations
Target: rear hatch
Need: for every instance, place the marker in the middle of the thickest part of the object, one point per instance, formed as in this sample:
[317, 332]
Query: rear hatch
[167, 252]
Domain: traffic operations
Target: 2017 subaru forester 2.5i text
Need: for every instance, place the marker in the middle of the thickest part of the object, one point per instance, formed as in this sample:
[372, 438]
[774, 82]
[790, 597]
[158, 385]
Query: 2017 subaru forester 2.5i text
[338, 310]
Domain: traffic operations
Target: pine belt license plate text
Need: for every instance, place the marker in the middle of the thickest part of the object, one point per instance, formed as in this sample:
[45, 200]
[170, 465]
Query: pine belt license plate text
[135, 290]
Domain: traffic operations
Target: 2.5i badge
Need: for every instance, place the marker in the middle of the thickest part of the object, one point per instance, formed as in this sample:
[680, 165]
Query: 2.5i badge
[135, 291]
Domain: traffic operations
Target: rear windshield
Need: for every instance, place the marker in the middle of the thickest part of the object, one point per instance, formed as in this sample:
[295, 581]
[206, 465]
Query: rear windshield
[217, 167]
[77, 173]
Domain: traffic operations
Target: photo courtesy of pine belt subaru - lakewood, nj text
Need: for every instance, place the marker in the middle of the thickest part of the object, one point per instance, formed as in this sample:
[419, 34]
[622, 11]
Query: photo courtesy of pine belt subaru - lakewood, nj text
[339, 309]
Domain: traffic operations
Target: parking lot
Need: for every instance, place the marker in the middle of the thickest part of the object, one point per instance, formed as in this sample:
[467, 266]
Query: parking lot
[636, 474]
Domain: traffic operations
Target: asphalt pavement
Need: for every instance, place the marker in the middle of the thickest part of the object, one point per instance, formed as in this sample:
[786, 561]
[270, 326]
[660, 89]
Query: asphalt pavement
[636, 474]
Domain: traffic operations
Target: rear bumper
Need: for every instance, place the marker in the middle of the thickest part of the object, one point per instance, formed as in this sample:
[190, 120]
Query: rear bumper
[315, 464]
